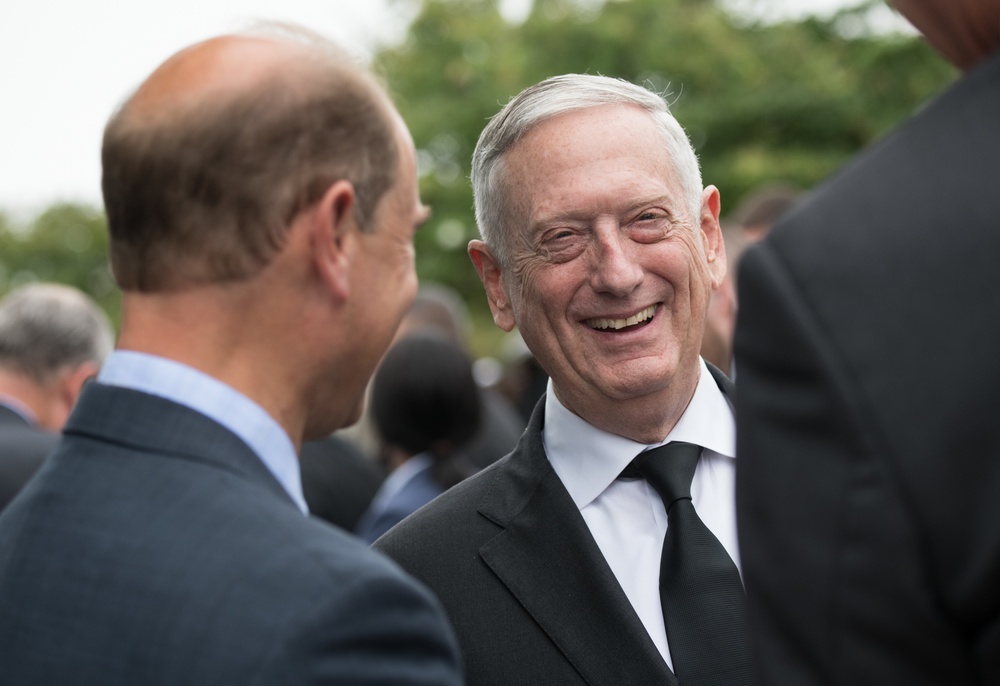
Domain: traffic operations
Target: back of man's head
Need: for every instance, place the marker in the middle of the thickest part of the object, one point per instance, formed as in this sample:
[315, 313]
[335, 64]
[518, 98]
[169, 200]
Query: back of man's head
[207, 163]
[758, 212]
[965, 32]
[440, 308]
[48, 328]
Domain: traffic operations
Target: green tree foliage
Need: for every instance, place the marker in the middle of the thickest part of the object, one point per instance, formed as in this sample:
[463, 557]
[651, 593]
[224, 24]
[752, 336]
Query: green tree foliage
[762, 103]
[68, 243]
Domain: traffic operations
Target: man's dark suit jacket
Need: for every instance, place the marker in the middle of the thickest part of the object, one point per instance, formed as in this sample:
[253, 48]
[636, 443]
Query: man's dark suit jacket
[155, 548]
[23, 448]
[868, 487]
[526, 587]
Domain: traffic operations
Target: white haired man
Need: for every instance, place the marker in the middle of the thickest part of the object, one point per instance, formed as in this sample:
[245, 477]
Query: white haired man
[53, 338]
[569, 562]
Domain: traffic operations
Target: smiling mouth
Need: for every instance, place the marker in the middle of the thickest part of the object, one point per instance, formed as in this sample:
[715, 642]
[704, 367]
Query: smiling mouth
[637, 319]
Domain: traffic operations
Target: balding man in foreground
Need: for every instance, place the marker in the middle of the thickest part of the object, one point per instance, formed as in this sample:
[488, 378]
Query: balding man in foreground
[262, 199]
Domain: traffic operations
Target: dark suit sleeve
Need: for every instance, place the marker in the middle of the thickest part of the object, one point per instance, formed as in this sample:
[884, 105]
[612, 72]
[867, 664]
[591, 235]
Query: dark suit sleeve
[843, 585]
[384, 630]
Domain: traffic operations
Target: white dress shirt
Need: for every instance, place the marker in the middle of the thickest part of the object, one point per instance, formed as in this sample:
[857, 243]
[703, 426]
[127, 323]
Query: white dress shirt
[187, 386]
[627, 517]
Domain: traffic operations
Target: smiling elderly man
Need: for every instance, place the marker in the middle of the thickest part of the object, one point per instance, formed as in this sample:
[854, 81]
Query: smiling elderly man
[602, 247]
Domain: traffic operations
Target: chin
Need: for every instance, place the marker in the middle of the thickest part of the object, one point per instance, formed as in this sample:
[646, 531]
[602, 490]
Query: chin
[628, 381]
[354, 415]
[632, 391]
[333, 418]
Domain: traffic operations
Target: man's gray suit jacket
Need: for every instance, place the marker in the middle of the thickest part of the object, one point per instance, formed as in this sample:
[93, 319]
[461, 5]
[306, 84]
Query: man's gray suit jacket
[155, 548]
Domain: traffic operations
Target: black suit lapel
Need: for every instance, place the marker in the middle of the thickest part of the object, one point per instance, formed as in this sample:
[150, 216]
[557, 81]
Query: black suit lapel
[550, 563]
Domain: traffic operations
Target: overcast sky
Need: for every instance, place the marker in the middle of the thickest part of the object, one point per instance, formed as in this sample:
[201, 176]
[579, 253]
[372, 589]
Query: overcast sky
[66, 64]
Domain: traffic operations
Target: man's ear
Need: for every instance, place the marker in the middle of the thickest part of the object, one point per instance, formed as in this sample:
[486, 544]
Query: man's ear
[333, 233]
[711, 234]
[489, 273]
[71, 384]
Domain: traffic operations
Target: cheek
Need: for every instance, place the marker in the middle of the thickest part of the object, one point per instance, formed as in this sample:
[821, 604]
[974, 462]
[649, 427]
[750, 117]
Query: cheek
[687, 257]
[406, 270]
[543, 291]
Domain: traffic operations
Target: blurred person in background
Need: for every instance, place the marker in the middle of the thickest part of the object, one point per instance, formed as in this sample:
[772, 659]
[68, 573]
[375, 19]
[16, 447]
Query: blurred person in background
[339, 479]
[522, 380]
[425, 406]
[261, 194]
[53, 338]
[342, 473]
[750, 222]
[760, 210]
[438, 307]
[868, 487]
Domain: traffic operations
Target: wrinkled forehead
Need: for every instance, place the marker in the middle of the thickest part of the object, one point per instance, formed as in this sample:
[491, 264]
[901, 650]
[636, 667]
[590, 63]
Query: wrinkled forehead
[607, 144]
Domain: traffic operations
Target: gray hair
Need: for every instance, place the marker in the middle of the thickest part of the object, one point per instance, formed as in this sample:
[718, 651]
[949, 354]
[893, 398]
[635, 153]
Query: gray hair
[47, 327]
[549, 98]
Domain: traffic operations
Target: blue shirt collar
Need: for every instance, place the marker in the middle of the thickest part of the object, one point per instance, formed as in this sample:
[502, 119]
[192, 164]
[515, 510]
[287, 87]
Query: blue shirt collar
[187, 386]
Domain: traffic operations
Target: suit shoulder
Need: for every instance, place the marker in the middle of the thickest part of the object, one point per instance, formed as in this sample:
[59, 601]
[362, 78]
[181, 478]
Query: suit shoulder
[449, 520]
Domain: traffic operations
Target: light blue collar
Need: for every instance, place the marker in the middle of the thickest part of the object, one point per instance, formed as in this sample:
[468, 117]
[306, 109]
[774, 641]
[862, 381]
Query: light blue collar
[191, 388]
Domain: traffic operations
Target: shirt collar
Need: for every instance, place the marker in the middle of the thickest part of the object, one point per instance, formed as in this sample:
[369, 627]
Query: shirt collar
[399, 478]
[19, 408]
[588, 459]
[191, 388]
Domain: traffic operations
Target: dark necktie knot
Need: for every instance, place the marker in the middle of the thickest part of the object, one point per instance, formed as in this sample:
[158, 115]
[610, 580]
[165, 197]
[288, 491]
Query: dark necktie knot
[669, 469]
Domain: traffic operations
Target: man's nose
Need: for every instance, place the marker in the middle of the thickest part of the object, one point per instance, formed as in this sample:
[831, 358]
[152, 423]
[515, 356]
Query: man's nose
[616, 270]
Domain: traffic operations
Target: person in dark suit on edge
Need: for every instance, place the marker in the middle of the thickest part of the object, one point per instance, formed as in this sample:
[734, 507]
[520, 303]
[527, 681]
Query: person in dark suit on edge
[601, 245]
[869, 480]
[53, 338]
[261, 194]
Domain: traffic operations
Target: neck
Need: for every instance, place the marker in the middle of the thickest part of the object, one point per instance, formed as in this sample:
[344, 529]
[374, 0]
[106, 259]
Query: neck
[226, 332]
[644, 419]
[28, 397]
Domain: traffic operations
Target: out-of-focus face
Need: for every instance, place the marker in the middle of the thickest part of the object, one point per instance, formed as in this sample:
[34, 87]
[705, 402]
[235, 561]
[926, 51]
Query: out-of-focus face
[965, 32]
[611, 275]
[385, 277]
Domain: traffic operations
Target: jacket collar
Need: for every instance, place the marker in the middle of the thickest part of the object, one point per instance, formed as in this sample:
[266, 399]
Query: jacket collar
[147, 423]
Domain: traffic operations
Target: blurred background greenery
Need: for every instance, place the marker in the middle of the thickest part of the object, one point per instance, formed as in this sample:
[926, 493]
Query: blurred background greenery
[762, 102]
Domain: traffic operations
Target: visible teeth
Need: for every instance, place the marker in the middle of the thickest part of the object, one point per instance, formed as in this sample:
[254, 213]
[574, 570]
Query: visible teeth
[603, 324]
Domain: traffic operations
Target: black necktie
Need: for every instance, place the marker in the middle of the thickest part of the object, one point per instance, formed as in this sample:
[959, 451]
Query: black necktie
[704, 607]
